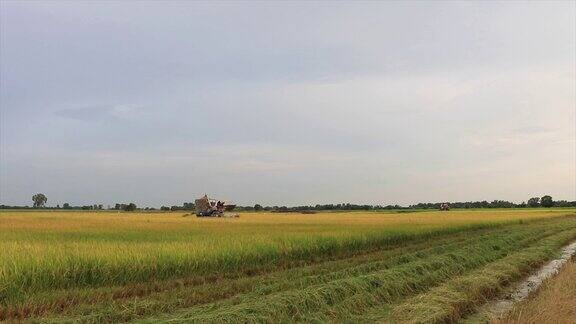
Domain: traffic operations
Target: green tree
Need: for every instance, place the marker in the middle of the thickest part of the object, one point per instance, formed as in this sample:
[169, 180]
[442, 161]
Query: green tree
[39, 200]
[258, 207]
[130, 207]
[546, 201]
[189, 206]
[534, 202]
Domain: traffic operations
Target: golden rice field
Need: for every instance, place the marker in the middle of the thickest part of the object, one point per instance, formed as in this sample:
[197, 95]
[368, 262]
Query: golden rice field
[267, 267]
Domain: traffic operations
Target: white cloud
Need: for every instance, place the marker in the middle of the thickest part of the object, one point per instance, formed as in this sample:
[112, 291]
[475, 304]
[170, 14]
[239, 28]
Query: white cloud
[373, 102]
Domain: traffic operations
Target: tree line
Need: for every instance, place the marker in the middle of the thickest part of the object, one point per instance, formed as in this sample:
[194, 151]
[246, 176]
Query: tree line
[535, 202]
[39, 201]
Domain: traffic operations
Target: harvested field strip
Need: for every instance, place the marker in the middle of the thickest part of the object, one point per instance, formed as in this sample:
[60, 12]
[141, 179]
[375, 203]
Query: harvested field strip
[385, 286]
[460, 296]
[413, 283]
[358, 304]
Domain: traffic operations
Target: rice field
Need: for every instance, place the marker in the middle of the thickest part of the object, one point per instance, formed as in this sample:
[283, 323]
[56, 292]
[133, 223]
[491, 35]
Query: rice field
[268, 267]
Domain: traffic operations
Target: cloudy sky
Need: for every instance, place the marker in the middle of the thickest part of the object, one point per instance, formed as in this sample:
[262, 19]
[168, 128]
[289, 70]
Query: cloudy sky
[287, 103]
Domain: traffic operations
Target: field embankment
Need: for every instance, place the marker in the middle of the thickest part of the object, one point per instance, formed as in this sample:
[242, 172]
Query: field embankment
[555, 302]
[268, 267]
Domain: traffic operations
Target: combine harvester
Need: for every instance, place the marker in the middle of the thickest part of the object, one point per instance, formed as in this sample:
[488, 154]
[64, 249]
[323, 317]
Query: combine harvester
[206, 207]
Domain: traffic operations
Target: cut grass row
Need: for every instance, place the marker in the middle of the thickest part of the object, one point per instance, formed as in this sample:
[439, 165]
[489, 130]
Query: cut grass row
[372, 283]
[462, 295]
[339, 298]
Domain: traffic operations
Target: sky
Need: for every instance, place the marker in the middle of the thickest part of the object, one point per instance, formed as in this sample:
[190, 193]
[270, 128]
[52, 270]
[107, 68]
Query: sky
[287, 103]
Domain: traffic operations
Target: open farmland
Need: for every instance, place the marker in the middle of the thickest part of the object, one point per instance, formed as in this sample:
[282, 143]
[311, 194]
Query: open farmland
[357, 266]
